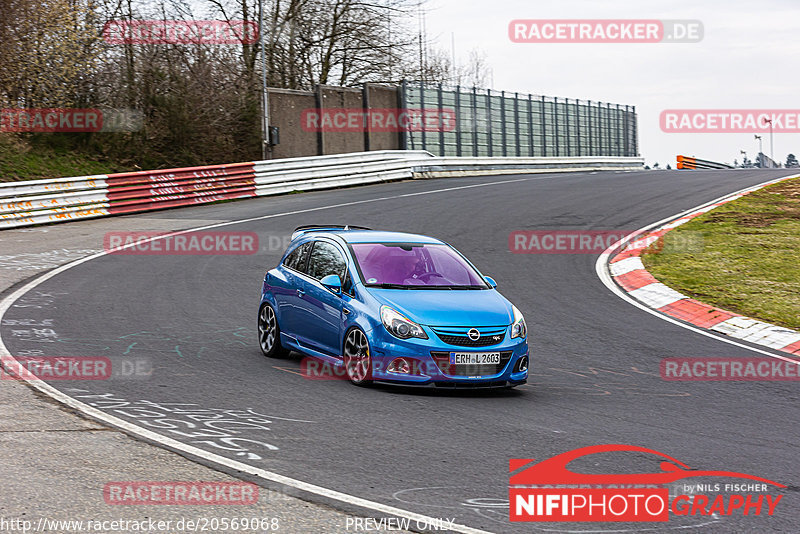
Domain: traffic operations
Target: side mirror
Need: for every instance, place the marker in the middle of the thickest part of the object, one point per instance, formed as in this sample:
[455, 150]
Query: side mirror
[332, 282]
[490, 281]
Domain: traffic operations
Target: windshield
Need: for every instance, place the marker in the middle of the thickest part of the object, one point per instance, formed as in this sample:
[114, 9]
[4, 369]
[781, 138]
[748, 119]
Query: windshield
[414, 266]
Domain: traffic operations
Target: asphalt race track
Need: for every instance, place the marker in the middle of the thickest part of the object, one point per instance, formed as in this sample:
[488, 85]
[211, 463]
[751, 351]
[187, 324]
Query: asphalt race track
[595, 358]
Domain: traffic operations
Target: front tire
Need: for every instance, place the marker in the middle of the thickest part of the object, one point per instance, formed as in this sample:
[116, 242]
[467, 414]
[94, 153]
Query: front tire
[357, 358]
[269, 334]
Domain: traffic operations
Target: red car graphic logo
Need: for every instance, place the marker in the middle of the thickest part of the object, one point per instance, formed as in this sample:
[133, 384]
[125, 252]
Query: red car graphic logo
[553, 471]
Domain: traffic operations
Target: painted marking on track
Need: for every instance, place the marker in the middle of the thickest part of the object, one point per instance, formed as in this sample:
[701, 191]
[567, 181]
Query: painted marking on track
[288, 370]
[217, 426]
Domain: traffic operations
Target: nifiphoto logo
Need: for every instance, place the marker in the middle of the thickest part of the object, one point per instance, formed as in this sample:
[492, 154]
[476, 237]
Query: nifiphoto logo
[549, 491]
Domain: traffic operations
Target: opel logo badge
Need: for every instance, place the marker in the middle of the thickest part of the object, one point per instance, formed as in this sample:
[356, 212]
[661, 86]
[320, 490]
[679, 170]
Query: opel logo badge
[474, 335]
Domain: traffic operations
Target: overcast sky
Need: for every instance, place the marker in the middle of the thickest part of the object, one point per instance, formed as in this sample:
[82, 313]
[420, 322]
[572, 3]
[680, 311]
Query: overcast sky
[748, 59]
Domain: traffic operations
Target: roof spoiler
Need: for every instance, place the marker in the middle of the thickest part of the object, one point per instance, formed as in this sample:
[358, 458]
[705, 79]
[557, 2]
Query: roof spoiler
[323, 227]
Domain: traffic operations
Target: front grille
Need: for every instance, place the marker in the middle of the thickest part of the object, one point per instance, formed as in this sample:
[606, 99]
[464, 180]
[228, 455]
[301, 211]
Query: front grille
[465, 341]
[458, 336]
[442, 360]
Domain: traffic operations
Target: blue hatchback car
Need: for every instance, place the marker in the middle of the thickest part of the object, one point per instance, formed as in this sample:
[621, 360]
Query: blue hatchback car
[390, 307]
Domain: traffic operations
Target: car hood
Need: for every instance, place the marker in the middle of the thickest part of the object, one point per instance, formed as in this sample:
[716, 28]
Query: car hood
[433, 307]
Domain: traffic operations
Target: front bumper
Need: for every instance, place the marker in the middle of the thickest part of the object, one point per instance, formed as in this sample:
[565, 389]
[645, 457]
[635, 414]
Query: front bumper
[429, 366]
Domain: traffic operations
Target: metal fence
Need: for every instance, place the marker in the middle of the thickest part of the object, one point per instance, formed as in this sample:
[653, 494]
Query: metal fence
[498, 123]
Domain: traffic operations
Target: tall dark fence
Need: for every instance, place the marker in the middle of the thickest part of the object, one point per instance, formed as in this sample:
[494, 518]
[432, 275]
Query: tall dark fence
[487, 123]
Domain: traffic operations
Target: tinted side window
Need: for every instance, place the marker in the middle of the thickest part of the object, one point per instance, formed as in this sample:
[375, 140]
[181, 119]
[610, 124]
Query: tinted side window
[326, 259]
[297, 258]
[347, 284]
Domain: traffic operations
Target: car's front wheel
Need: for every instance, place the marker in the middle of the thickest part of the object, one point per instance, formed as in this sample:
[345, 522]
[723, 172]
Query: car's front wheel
[269, 335]
[357, 358]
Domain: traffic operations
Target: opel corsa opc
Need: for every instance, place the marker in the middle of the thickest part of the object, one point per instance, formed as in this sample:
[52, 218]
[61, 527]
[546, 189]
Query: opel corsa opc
[391, 307]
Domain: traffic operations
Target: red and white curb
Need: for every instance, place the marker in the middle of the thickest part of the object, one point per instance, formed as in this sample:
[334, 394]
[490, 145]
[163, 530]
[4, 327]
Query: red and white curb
[628, 271]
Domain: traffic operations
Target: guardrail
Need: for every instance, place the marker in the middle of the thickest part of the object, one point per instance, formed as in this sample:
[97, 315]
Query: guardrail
[66, 199]
[689, 163]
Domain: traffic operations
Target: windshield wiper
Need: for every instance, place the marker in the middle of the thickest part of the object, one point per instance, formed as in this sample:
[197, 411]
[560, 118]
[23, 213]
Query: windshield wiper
[400, 286]
[460, 287]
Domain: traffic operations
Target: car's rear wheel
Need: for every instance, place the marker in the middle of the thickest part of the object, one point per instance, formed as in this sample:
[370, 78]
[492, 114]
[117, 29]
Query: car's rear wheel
[357, 358]
[269, 334]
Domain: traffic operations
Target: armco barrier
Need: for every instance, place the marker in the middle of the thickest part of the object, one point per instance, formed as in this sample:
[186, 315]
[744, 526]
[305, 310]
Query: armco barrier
[66, 199]
[689, 163]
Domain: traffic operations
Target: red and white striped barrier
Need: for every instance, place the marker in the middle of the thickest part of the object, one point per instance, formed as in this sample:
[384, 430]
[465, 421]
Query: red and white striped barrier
[46, 201]
[68, 199]
[627, 269]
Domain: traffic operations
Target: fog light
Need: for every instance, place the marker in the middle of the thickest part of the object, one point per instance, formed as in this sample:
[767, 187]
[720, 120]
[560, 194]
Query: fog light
[522, 364]
[400, 365]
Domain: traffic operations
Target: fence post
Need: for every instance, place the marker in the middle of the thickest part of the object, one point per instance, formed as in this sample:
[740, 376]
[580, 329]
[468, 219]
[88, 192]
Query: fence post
[555, 127]
[365, 110]
[441, 126]
[543, 127]
[474, 121]
[589, 125]
[503, 125]
[402, 99]
[320, 136]
[458, 120]
[516, 123]
[530, 125]
[566, 126]
[578, 126]
[625, 132]
[489, 132]
[422, 133]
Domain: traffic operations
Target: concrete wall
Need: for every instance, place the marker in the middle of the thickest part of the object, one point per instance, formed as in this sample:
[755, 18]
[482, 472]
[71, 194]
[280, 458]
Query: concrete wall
[286, 109]
[298, 139]
[342, 142]
[382, 97]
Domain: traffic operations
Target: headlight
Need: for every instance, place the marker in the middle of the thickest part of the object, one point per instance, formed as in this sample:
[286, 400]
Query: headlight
[399, 326]
[518, 328]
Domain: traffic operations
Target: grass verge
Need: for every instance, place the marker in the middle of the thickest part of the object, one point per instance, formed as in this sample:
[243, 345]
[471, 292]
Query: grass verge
[748, 260]
[22, 160]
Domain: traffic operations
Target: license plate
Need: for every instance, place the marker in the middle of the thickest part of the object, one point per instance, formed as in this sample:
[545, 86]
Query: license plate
[474, 358]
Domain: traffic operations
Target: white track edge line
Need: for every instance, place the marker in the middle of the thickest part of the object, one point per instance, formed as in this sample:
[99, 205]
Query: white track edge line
[602, 270]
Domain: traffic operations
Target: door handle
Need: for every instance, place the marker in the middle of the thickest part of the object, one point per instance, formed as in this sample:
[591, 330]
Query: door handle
[345, 311]
[301, 293]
